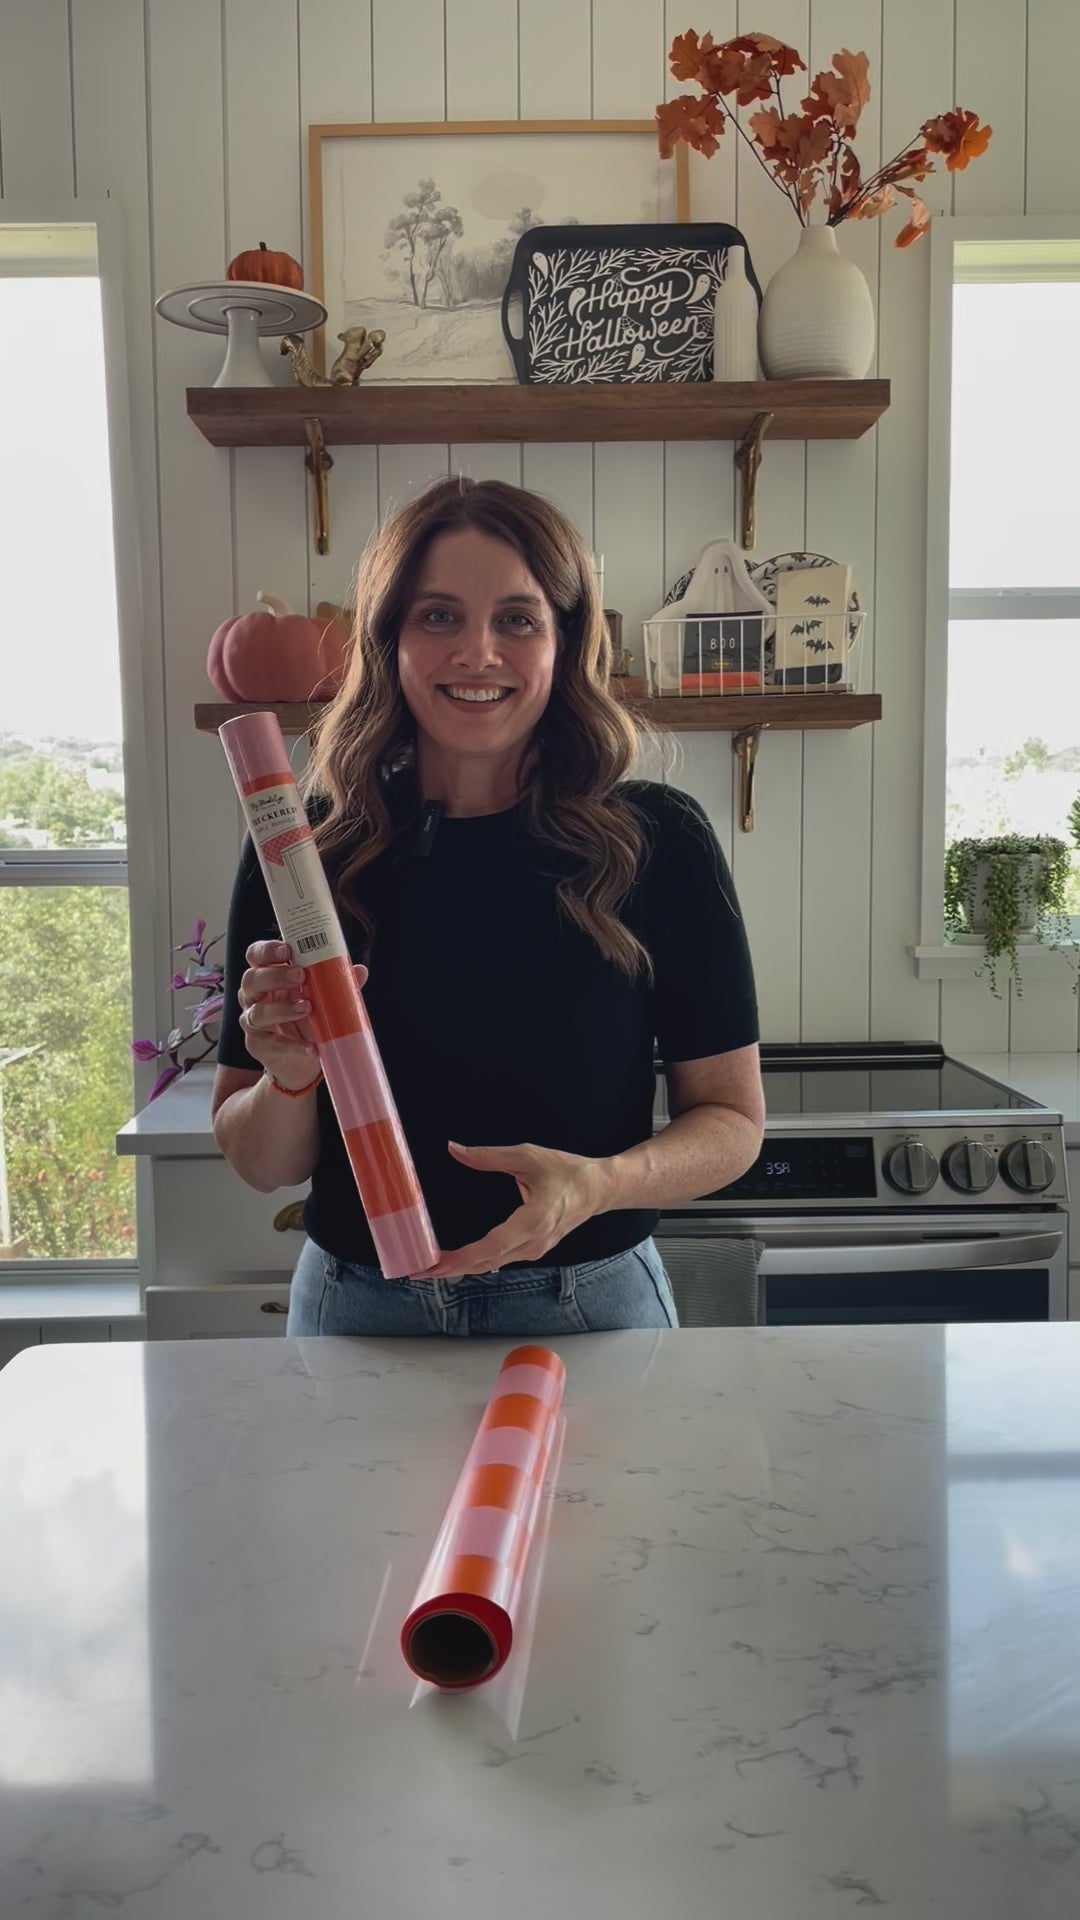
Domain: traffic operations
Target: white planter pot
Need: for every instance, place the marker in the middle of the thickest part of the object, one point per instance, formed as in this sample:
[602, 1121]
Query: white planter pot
[735, 322]
[977, 907]
[817, 317]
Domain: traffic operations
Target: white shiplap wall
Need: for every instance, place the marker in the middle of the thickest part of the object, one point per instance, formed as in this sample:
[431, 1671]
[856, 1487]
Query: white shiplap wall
[191, 118]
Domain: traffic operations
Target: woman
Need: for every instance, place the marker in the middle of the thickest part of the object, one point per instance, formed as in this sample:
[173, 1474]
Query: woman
[533, 925]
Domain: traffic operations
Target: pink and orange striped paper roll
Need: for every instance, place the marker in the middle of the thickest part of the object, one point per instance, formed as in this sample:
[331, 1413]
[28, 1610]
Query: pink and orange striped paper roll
[300, 894]
[460, 1628]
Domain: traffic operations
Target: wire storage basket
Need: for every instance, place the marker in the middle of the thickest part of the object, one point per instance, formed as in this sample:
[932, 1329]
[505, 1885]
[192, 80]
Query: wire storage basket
[705, 656]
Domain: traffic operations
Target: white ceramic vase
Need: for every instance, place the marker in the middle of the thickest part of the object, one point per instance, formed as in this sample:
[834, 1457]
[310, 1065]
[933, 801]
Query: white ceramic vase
[735, 322]
[817, 317]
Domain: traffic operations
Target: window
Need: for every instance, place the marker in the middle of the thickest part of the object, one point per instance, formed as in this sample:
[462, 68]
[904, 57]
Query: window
[1013, 720]
[1003, 641]
[65, 968]
[1012, 1469]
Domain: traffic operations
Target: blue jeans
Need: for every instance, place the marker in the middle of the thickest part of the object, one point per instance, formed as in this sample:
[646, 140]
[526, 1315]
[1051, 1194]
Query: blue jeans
[626, 1290]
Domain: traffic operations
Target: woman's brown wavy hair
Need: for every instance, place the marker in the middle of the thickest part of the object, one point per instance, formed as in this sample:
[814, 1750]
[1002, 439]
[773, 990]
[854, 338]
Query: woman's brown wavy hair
[583, 746]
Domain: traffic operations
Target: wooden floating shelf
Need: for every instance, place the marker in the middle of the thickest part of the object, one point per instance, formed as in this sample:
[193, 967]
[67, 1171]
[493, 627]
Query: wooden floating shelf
[778, 712]
[726, 713]
[418, 415]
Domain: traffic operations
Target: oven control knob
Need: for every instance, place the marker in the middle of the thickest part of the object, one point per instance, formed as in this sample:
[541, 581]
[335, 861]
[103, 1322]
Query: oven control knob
[1028, 1166]
[969, 1167]
[911, 1168]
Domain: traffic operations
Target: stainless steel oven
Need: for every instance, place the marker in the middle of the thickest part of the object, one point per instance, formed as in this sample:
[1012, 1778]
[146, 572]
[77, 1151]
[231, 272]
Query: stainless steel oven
[893, 1268]
[896, 1185]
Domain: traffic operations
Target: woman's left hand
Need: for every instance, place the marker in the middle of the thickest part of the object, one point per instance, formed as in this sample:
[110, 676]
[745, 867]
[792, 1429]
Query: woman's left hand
[559, 1191]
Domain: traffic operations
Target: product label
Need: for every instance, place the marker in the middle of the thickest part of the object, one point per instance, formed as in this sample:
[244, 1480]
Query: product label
[294, 874]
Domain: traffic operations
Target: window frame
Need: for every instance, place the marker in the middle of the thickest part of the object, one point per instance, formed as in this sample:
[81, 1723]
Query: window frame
[142, 864]
[933, 960]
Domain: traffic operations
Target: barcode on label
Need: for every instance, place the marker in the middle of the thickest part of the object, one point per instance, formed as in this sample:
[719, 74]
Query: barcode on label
[310, 942]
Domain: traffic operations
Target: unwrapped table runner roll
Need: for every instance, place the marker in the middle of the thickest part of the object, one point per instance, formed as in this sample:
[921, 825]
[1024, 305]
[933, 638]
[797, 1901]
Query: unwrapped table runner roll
[300, 895]
[461, 1625]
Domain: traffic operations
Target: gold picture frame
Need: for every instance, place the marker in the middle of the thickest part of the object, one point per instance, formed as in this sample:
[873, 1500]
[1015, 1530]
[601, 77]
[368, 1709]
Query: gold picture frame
[474, 338]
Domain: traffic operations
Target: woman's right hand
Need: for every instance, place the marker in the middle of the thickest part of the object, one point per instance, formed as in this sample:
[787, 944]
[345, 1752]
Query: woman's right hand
[275, 1009]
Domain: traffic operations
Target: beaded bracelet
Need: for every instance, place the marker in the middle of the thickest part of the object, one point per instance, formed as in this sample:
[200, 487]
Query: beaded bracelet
[293, 1093]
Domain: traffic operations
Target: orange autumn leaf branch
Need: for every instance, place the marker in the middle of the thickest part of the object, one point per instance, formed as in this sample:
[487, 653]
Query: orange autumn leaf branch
[808, 153]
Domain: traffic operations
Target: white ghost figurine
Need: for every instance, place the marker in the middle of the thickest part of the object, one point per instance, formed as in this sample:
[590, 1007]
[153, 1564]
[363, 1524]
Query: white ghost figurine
[720, 583]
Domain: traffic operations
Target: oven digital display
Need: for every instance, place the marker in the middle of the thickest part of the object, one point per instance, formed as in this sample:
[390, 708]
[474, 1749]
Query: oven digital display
[810, 1169]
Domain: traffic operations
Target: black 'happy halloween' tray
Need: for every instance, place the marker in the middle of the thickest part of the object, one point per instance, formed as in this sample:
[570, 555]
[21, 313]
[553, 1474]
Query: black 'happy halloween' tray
[618, 303]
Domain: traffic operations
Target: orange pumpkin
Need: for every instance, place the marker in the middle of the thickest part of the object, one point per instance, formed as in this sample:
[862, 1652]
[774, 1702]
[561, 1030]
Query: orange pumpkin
[215, 671]
[275, 654]
[279, 269]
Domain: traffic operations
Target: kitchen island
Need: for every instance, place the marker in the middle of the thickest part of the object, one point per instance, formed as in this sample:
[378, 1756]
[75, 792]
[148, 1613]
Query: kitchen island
[808, 1638]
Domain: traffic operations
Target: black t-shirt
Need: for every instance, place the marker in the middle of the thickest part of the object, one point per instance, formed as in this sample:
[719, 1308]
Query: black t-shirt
[500, 1022]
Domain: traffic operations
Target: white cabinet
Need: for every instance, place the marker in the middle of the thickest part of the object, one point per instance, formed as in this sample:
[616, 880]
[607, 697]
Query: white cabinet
[216, 1312]
[1072, 1157]
[15, 1335]
[208, 1224]
[221, 1255]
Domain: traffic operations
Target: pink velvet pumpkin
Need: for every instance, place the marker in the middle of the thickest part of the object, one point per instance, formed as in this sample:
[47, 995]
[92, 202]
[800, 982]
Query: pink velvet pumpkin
[274, 654]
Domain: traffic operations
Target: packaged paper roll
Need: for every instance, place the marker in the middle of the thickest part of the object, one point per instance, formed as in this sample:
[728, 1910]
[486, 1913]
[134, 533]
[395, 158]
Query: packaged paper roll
[307, 918]
[460, 1628]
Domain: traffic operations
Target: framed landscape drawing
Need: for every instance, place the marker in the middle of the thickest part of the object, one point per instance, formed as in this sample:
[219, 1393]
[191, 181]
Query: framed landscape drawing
[413, 226]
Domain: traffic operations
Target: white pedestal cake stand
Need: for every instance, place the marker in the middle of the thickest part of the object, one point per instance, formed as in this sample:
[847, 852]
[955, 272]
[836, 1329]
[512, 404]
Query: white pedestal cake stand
[244, 310]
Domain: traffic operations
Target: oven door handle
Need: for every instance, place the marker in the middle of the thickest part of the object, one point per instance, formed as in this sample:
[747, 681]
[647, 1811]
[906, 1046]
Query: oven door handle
[922, 1256]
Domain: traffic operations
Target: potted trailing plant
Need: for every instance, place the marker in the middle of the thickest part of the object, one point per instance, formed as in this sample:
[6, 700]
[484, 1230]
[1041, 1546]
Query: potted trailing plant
[817, 318]
[1005, 892]
[209, 976]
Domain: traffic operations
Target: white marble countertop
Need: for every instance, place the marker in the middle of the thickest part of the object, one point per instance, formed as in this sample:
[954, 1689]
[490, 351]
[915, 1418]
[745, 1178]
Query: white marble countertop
[178, 1124]
[1051, 1078]
[808, 1638]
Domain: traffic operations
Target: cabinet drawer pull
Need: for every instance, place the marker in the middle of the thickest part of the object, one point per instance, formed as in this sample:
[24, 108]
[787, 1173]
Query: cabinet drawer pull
[273, 1306]
[290, 1217]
